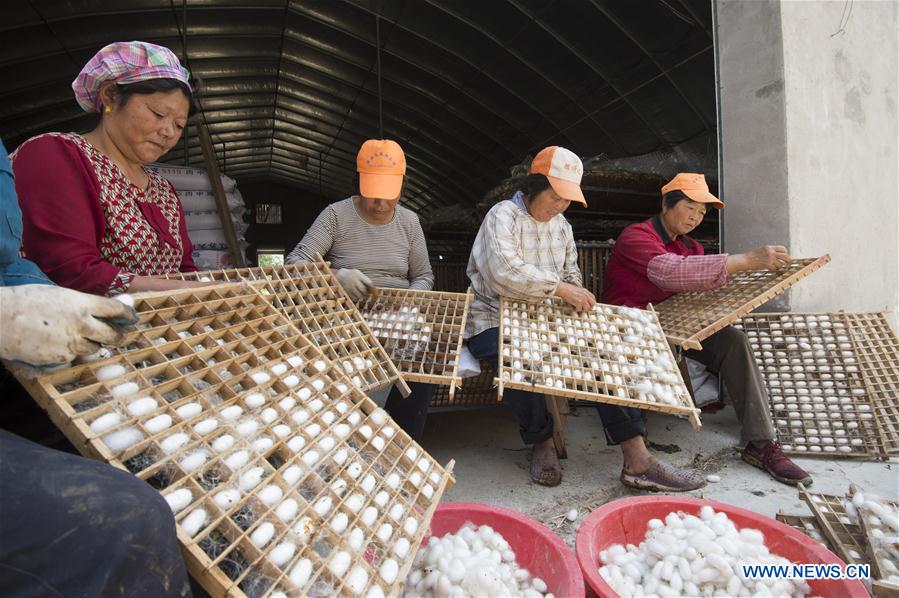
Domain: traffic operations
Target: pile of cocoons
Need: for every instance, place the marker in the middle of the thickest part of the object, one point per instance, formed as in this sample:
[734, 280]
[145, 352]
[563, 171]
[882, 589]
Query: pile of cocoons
[881, 521]
[475, 561]
[685, 555]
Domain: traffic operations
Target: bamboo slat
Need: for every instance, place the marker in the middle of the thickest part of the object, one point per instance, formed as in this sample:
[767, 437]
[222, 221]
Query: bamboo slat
[216, 390]
[689, 318]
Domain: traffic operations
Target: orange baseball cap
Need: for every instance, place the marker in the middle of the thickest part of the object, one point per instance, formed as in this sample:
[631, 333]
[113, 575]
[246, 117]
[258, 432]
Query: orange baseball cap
[381, 164]
[694, 186]
[563, 169]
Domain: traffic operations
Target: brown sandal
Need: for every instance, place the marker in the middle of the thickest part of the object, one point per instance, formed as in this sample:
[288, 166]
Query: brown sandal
[545, 467]
[662, 477]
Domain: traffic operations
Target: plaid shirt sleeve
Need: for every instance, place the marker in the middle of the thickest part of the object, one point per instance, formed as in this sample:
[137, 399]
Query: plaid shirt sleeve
[510, 273]
[677, 273]
[572, 274]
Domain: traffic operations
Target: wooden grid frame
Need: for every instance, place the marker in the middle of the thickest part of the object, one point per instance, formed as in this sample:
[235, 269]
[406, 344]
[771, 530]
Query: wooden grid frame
[223, 353]
[831, 381]
[816, 388]
[877, 350]
[421, 331]
[877, 536]
[807, 525]
[311, 297]
[594, 344]
[690, 318]
[845, 537]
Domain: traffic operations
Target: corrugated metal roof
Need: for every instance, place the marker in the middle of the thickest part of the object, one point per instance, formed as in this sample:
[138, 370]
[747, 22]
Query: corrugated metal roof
[469, 88]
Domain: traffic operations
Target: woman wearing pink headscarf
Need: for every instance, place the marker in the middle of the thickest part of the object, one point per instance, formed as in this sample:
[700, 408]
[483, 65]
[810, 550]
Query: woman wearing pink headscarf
[95, 219]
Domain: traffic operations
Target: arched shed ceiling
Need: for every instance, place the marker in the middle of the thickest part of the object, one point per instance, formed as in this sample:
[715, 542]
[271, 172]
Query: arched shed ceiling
[468, 87]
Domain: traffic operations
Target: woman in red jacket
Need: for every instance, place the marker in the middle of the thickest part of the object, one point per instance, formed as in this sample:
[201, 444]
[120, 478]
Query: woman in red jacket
[95, 219]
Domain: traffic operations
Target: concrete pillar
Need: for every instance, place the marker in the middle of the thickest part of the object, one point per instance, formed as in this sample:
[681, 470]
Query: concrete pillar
[808, 119]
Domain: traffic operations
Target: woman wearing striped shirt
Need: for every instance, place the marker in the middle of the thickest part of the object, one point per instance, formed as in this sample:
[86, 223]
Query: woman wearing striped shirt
[373, 242]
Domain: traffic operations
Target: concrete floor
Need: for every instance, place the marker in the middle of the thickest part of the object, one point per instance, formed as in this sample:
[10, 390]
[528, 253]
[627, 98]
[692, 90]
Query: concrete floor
[492, 466]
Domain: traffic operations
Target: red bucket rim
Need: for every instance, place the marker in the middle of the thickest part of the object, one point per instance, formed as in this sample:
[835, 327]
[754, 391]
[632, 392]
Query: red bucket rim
[583, 543]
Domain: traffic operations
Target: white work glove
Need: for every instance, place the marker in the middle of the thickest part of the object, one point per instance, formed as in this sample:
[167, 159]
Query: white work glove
[355, 282]
[44, 325]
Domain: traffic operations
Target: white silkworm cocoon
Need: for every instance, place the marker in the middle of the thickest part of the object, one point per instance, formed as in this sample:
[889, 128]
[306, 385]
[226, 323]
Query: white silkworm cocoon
[381, 498]
[318, 384]
[396, 512]
[410, 526]
[328, 417]
[378, 416]
[339, 563]
[384, 532]
[172, 443]
[357, 580]
[311, 457]
[254, 400]
[326, 443]
[194, 521]
[270, 495]
[282, 553]
[223, 443]
[106, 421]
[227, 498]
[278, 369]
[368, 483]
[237, 459]
[295, 361]
[108, 372]
[260, 377]
[320, 365]
[123, 390]
[388, 571]
[251, 478]
[401, 547]
[287, 510]
[312, 430]
[203, 427]
[292, 474]
[366, 431]
[268, 415]
[354, 418]
[369, 516]
[354, 502]
[231, 412]
[291, 381]
[179, 499]
[299, 416]
[287, 403]
[571, 515]
[316, 405]
[263, 534]
[194, 460]
[301, 572]
[247, 427]
[356, 539]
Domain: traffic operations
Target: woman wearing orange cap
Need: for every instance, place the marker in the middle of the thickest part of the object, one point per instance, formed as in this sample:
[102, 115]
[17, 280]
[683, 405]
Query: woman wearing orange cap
[373, 242]
[95, 219]
[525, 249]
[651, 261]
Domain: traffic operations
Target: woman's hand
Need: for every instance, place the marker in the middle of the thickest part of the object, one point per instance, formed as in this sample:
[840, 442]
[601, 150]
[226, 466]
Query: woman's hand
[579, 298]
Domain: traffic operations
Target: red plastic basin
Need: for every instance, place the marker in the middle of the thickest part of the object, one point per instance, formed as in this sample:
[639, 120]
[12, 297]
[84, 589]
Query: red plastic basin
[537, 549]
[624, 521]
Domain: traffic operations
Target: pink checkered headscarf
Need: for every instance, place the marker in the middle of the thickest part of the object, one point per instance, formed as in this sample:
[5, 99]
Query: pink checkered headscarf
[124, 63]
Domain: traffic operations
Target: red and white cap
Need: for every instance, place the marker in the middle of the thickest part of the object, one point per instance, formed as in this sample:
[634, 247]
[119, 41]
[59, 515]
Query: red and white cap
[563, 169]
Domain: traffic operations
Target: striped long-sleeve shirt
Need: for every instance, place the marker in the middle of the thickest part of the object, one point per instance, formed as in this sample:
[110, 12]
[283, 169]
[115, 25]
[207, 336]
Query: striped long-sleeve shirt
[392, 255]
[517, 256]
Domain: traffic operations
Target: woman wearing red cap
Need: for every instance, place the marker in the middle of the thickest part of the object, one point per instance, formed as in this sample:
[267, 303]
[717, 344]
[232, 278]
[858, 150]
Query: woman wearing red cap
[525, 249]
[95, 219]
[373, 242]
[651, 261]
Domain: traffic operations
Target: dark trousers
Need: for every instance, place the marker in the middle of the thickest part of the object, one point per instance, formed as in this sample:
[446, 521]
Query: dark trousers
[411, 412]
[74, 527]
[534, 422]
[728, 354]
